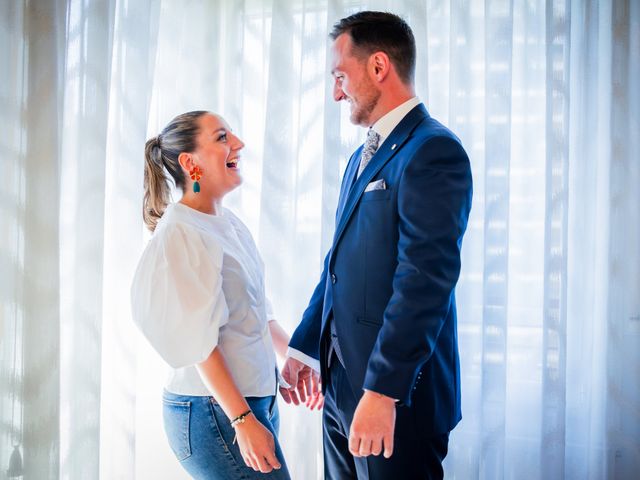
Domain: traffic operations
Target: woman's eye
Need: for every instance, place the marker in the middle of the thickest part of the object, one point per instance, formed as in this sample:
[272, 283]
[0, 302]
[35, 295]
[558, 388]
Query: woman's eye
[222, 137]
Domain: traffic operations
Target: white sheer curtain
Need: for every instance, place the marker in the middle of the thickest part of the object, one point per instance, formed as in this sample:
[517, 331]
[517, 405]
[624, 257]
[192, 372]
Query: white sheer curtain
[543, 94]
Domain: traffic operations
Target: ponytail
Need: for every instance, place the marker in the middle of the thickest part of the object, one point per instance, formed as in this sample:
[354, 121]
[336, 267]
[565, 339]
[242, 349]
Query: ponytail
[156, 187]
[161, 157]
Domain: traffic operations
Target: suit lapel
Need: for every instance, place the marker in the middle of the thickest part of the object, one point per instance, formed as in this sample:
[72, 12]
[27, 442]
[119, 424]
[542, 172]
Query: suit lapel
[347, 181]
[396, 139]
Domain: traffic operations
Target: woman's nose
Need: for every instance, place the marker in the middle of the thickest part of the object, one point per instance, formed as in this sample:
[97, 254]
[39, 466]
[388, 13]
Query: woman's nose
[238, 144]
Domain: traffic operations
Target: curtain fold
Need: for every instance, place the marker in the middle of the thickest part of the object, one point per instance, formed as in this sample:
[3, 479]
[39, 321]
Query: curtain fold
[603, 267]
[33, 70]
[544, 96]
[89, 36]
[130, 86]
[554, 338]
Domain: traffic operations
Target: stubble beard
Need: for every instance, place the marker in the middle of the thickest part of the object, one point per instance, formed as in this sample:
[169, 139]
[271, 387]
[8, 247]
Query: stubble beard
[365, 105]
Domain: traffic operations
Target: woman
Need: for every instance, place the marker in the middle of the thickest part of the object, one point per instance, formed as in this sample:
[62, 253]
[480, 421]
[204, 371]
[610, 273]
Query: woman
[198, 297]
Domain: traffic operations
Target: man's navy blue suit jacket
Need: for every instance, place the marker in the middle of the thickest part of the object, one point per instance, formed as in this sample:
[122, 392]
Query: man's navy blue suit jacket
[390, 275]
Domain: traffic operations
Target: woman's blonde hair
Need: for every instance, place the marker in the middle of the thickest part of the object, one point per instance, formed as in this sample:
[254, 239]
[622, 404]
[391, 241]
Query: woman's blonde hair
[161, 157]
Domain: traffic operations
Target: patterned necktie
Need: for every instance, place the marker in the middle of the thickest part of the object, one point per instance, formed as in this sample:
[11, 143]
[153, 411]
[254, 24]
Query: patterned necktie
[370, 147]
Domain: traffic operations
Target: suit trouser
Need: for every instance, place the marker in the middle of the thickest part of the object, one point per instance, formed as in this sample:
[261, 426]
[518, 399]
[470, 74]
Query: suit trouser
[415, 455]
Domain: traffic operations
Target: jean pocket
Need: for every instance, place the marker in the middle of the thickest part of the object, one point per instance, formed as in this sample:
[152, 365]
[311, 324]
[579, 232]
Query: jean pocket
[226, 433]
[176, 423]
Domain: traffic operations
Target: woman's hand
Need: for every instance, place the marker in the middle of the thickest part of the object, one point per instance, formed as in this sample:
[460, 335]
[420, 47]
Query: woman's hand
[257, 445]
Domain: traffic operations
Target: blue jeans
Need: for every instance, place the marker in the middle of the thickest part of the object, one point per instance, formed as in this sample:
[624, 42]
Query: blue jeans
[201, 437]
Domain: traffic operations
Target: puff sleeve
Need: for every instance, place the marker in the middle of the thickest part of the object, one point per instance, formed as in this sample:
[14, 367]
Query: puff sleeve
[177, 297]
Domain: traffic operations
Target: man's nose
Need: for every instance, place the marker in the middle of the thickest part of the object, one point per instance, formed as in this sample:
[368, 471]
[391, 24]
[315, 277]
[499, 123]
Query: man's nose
[338, 93]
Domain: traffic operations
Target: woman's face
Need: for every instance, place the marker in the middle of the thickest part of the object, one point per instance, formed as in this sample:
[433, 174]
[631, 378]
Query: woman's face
[217, 154]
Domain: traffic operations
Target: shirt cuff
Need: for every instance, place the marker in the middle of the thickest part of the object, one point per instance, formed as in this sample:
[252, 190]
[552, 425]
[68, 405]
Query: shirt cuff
[306, 359]
[282, 382]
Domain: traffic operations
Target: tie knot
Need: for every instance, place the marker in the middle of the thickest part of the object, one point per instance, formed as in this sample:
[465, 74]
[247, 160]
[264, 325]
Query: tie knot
[372, 140]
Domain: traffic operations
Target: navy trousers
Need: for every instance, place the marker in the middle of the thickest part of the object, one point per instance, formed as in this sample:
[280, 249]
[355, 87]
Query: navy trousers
[416, 456]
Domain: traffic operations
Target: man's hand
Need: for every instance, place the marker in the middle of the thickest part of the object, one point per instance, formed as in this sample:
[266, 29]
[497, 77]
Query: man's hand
[304, 381]
[316, 401]
[373, 424]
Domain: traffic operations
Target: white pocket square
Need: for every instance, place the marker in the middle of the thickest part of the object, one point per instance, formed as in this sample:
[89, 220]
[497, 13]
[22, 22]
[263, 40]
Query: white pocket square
[377, 185]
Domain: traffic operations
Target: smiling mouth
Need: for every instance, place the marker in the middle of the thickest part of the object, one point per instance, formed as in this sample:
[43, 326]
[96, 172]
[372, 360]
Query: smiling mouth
[232, 163]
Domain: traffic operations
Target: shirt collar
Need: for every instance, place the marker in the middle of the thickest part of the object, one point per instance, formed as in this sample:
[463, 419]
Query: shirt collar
[390, 120]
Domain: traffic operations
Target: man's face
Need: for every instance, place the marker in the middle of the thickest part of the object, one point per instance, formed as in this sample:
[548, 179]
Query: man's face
[352, 81]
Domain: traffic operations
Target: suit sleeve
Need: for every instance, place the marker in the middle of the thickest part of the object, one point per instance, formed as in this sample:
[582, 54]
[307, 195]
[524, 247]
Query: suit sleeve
[434, 200]
[306, 337]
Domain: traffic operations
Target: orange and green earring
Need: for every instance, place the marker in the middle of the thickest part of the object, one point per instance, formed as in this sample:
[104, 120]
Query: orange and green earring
[196, 174]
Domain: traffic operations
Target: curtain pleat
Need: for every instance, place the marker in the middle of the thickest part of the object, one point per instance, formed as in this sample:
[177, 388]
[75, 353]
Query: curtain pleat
[33, 60]
[81, 220]
[554, 317]
[133, 66]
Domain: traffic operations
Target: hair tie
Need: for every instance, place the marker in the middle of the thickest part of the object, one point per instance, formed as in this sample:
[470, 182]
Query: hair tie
[157, 152]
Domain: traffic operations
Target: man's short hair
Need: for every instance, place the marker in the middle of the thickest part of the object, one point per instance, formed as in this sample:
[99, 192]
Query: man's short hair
[381, 31]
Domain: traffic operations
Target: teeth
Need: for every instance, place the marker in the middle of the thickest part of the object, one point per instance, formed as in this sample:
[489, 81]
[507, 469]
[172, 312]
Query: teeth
[232, 163]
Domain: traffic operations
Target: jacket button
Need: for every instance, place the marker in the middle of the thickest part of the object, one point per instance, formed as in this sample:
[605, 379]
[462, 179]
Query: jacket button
[334, 279]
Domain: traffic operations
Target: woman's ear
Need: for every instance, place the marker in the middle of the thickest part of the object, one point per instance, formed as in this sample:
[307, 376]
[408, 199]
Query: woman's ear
[186, 161]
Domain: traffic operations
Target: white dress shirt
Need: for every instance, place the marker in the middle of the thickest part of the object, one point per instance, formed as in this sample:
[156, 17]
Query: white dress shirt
[390, 120]
[200, 285]
[383, 127]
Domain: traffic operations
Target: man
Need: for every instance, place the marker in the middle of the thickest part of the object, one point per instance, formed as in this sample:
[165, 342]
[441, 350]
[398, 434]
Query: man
[381, 324]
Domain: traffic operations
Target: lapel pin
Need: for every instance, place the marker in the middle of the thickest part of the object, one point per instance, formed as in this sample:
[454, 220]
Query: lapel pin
[393, 147]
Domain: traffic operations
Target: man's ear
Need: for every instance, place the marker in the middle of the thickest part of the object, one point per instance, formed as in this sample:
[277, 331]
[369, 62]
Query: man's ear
[380, 65]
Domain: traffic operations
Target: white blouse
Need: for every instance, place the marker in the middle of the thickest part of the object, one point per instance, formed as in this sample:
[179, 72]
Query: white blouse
[200, 284]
